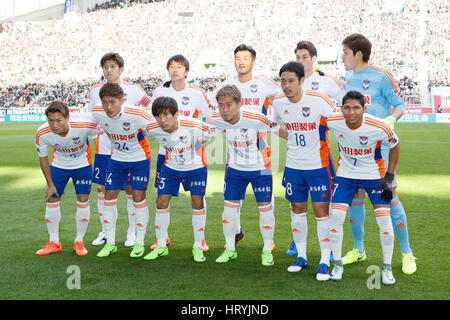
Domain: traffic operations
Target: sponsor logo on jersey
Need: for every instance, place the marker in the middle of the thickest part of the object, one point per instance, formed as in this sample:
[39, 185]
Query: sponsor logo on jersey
[254, 88]
[367, 100]
[366, 84]
[363, 140]
[314, 85]
[76, 140]
[185, 101]
[126, 126]
[306, 111]
[299, 126]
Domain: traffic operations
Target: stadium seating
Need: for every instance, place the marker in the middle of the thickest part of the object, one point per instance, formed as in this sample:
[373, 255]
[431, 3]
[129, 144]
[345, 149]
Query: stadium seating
[60, 59]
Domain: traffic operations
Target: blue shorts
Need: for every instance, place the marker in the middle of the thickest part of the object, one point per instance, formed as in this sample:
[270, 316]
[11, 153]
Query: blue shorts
[298, 182]
[81, 178]
[344, 190]
[100, 168]
[159, 164]
[236, 182]
[119, 172]
[170, 179]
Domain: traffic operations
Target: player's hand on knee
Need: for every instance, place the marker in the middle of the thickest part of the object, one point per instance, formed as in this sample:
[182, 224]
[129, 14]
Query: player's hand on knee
[386, 186]
[51, 190]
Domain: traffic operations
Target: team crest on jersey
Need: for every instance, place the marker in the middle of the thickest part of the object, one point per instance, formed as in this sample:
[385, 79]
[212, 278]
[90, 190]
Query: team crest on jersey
[183, 139]
[126, 126]
[164, 140]
[76, 140]
[366, 84]
[185, 101]
[363, 140]
[244, 132]
[314, 85]
[306, 111]
[125, 97]
[254, 88]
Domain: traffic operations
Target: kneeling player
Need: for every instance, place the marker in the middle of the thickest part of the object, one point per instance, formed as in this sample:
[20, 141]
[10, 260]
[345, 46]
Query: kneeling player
[248, 161]
[182, 138]
[71, 159]
[126, 127]
[361, 165]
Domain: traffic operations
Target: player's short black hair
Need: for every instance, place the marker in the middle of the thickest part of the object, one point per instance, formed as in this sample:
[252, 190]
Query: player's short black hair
[180, 59]
[354, 95]
[244, 47]
[114, 57]
[293, 66]
[161, 104]
[307, 45]
[358, 42]
[230, 91]
[57, 106]
[111, 90]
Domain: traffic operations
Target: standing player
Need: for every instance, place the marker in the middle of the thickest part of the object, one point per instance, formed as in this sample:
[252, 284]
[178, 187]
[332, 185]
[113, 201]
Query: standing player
[126, 127]
[191, 101]
[361, 166]
[256, 93]
[71, 158]
[307, 161]
[113, 66]
[306, 54]
[185, 162]
[247, 162]
[380, 94]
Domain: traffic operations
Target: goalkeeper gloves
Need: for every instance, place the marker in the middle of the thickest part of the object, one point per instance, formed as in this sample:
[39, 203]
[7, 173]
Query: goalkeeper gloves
[386, 186]
[390, 121]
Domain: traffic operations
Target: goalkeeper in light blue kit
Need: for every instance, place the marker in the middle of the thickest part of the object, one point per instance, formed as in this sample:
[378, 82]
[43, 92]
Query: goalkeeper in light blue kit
[380, 94]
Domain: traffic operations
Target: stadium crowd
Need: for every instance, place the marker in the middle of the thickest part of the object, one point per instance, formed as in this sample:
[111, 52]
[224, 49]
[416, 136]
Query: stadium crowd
[57, 58]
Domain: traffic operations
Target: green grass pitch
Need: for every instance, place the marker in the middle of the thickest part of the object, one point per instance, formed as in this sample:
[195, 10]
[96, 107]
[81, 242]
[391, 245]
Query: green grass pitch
[424, 180]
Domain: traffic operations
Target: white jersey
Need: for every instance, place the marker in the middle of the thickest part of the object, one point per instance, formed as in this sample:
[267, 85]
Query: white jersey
[255, 93]
[360, 149]
[184, 149]
[247, 149]
[71, 151]
[126, 131]
[133, 95]
[325, 84]
[191, 102]
[307, 146]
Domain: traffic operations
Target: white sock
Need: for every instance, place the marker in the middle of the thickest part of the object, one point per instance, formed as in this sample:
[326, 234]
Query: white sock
[100, 203]
[110, 219]
[386, 233]
[299, 226]
[229, 220]
[131, 214]
[82, 219]
[162, 221]
[141, 220]
[52, 218]
[198, 224]
[339, 212]
[323, 234]
[238, 219]
[267, 225]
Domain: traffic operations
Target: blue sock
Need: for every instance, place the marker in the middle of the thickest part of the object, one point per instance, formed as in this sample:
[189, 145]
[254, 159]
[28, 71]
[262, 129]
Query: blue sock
[398, 217]
[356, 217]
